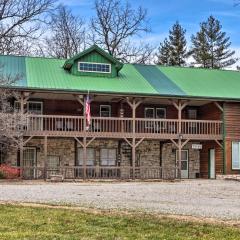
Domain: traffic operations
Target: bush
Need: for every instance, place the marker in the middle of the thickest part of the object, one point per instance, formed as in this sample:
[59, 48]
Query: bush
[8, 172]
[2, 175]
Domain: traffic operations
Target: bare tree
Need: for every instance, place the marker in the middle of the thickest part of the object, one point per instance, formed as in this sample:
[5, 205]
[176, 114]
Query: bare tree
[67, 34]
[20, 22]
[12, 122]
[115, 24]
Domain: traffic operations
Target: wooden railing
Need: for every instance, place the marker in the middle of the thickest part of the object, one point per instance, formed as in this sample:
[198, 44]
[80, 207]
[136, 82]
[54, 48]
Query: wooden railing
[99, 172]
[64, 125]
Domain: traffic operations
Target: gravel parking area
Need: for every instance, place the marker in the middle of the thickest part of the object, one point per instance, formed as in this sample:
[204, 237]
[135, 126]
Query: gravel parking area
[201, 198]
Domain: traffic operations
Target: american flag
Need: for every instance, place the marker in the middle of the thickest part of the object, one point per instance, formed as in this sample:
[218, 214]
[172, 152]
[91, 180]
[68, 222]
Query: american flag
[88, 112]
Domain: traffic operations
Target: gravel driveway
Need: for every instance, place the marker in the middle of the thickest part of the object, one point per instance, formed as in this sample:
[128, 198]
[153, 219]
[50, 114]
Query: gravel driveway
[203, 198]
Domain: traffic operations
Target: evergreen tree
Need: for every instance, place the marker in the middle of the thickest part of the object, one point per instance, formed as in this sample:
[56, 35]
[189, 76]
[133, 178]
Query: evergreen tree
[210, 46]
[178, 45]
[163, 54]
[173, 50]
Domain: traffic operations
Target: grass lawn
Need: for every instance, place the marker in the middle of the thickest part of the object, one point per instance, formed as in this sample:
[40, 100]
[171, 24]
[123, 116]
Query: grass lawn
[18, 222]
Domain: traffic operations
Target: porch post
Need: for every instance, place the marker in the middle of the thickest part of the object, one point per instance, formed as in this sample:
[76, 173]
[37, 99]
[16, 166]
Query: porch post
[21, 158]
[134, 139]
[179, 137]
[21, 140]
[179, 156]
[45, 158]
[84, 140]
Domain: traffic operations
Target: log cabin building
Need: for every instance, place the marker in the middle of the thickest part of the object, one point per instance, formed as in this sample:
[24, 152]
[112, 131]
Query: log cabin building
[144, 118]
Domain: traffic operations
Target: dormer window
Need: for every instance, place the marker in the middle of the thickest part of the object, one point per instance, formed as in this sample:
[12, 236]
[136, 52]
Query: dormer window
[94, 67]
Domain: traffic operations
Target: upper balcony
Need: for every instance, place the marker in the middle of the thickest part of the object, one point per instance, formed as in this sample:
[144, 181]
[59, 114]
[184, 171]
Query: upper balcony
[110, 127]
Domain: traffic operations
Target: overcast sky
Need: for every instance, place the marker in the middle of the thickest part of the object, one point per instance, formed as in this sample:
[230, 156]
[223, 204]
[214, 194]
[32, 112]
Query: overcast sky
[163, 13]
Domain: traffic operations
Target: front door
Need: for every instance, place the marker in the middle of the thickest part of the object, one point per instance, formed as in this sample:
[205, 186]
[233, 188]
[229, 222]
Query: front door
[212, 174]
[184, 163]
[29, 162]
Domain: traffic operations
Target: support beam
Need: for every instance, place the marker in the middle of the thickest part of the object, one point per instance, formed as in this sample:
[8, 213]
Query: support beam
[128, 142]
[80, 142]
[79, 99]
[139, 142]
[26, 141]
[219, 106]
[90, 141]
[221, 145]
[45, 158]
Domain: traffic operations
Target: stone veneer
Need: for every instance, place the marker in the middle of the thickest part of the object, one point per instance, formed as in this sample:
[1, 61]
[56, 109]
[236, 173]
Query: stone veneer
[147, 153]
[169, 160]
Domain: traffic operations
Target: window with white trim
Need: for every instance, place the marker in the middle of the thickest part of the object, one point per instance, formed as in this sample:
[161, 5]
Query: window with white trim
[94, 67]
[149, 113]
[236, 155]
[105, 111]
[108, 157]
[33, 107]
[90, 156]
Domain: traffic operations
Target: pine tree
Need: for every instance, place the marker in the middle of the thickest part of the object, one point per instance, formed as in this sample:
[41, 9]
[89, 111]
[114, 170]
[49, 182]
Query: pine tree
[210, 46]
[163, 54]
[173, 50]
[178, 45]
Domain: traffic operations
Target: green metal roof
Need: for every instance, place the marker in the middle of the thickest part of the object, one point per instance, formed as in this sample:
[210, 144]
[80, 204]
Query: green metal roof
[48, 74]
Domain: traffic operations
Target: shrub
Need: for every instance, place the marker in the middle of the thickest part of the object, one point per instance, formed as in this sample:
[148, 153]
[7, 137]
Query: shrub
[9, 172]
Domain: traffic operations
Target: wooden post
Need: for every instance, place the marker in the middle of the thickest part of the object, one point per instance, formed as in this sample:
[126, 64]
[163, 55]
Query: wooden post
[134, 139]
[45, 158]
[21, 158]
[21, 140]
[134, 106]
[84, 140]
[179, 137]
[179, 157]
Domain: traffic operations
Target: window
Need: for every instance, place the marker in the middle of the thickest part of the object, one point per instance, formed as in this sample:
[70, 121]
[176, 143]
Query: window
[53, 162]
[90, 156]
[32, 107]
[192, 114]
[108, 156]
[94, 67]
[236, 155]
[105, 111]
[149, 113]
[160, 112]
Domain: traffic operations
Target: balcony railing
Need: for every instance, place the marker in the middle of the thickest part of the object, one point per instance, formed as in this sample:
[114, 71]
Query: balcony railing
[99, 172]
[102, 126]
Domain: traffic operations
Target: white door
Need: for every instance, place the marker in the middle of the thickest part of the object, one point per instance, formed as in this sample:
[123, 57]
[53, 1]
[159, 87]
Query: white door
[29, 162]
[184, 163]
[212, 174]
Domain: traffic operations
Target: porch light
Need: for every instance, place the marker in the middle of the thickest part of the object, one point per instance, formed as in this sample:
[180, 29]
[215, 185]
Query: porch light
[180, 136]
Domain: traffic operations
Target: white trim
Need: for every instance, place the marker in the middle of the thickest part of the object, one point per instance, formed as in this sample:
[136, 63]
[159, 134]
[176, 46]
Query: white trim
[236, 168]
[35, 102]
[110, 109]
[110, 67]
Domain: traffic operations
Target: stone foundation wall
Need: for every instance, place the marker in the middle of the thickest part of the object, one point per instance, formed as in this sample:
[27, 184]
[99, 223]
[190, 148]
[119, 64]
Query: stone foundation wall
[148, 153]
[169, 159]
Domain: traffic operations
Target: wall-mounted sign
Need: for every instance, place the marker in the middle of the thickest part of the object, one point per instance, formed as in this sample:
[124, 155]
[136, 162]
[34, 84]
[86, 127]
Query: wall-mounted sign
[196, 146]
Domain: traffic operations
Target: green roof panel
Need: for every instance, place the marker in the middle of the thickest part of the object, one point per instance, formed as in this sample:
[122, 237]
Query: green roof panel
[47, 73]
[200, 82]
[161, 83]
[14, 67]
